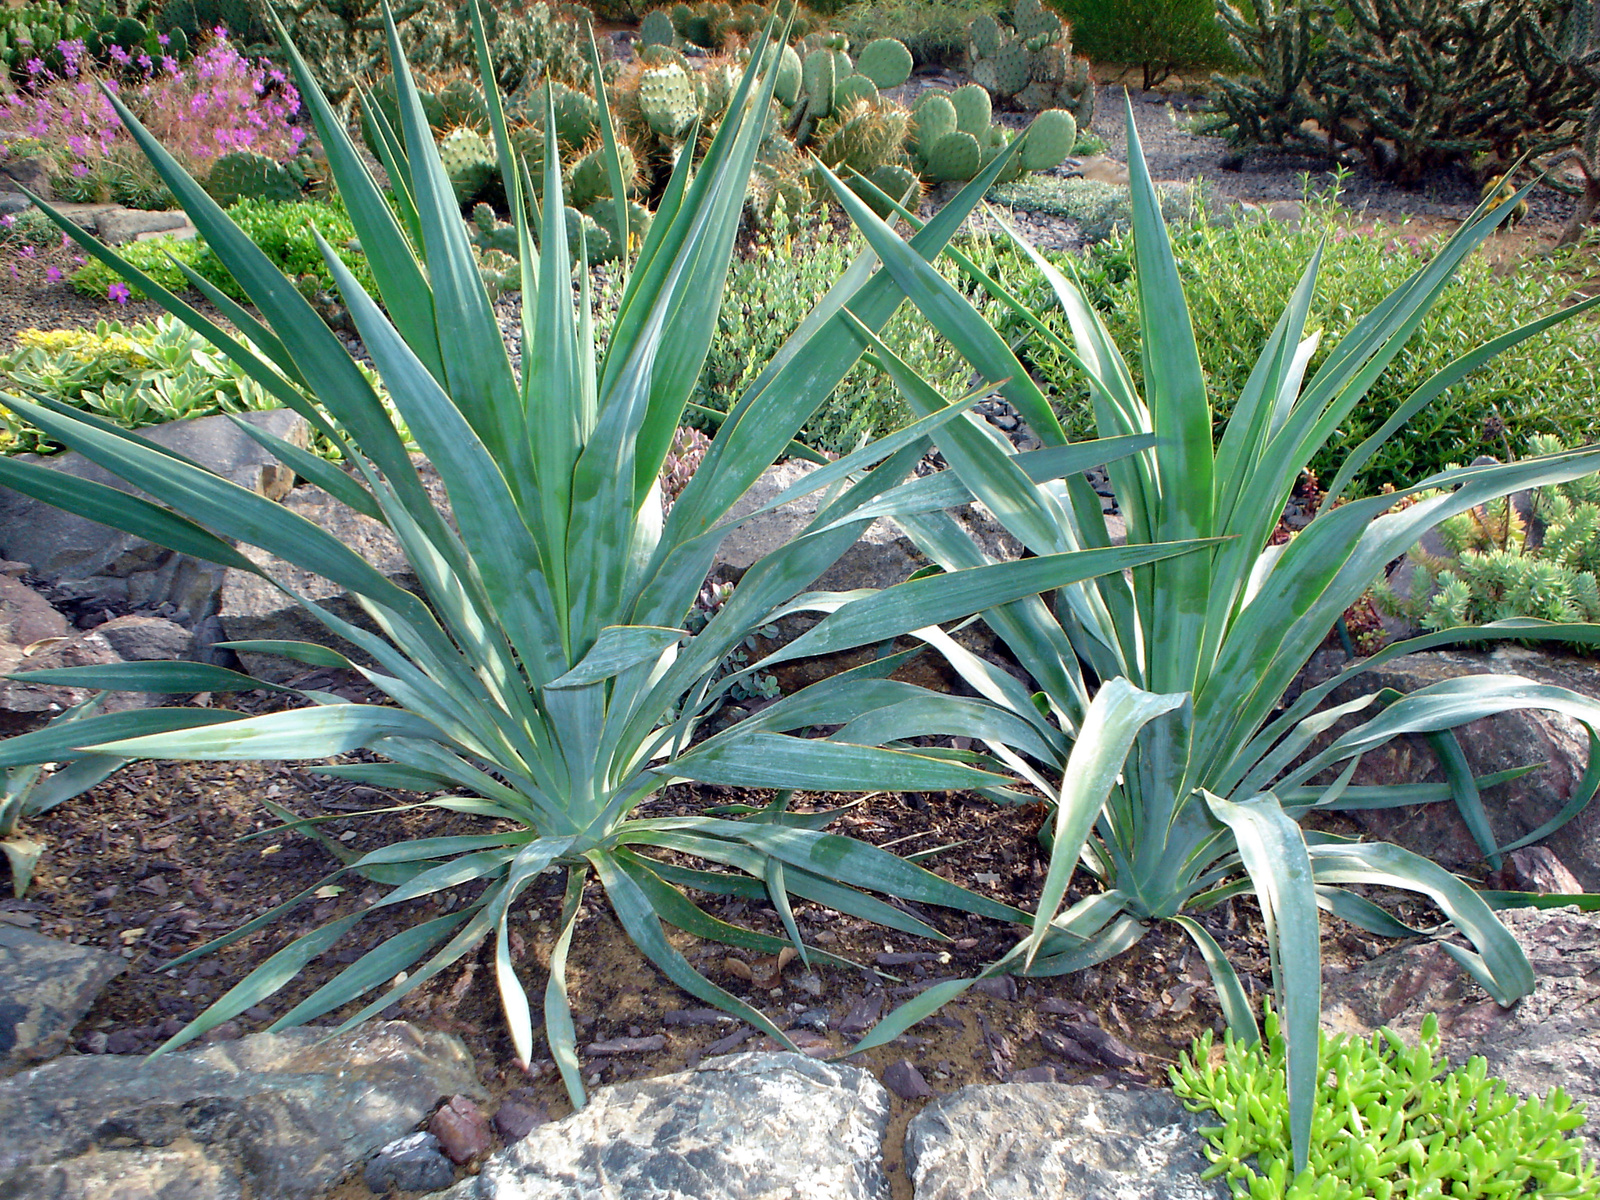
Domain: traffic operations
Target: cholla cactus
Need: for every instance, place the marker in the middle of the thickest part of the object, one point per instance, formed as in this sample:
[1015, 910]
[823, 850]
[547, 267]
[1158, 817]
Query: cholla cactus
[1584, 56]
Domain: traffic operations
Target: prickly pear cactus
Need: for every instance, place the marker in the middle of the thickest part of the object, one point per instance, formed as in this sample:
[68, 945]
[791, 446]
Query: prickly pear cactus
[604, 214]
[657, 29]
[893, 180]
[577, 113]
[974, 111]
[1048, 140]
[1030, 64]
[817, 82]
[590, 179]
[863, 137]
[244, 174]
[468, 160]
[932, 118]
[954, 156]
[668, 100]
[886, 62]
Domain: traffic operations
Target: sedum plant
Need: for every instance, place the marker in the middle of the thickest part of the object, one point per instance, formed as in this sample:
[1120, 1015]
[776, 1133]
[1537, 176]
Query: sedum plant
[544, 680]
[1159, 728]
[1391, 1120]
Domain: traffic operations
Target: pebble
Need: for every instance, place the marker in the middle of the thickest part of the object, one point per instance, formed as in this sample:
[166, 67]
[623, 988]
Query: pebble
[514, 1120]
[904, 1080]
[411, 1164]
[462, 1130]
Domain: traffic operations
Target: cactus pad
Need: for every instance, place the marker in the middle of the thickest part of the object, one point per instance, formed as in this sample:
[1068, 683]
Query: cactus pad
[790, 74]
[954, 156]
[974, 111]
[244, 174]
[668, 100]
[657, 29]
[468, 161]
[984, 35]
[932, 118]
[1049, 140]
[854, 89]
[886, 62]
[817, 82]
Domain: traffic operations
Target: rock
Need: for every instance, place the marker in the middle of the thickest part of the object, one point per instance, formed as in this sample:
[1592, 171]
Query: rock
[1286, 212]
[1559, 745]
[252, 608]
[904, 1080]
[1102, 169]
[411, 1164]
[24, 704]
[1549, 1038]
[90, 560]
[32, 173]
[1537, 869]
[514, 1119]
[147, 639]
[882, 557]
[25, 616]
[127, 224]
[12, 203]
[462, 1130]
[755, 1126]
[282, 1115]
[45, 988]
[1025, 1140]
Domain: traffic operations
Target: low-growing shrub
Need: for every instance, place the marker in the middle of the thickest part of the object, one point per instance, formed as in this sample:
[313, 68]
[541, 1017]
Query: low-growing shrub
[283, 231]
[1100, 209]
[1238, 276]
[1390, 1120]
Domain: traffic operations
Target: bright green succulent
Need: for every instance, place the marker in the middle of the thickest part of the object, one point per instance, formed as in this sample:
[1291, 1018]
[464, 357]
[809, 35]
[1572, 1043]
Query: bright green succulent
[1391, 1121]
[1161, 734]
[544, 678]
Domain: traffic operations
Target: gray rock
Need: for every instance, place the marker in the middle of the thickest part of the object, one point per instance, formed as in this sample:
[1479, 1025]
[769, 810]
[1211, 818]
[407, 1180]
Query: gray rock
[754, 1126]
[45, 988]
[93, 560]
[1557, 744]
[1026, 1141]
[882, 557]
[31, 173]
[24, 704]
[411, 1164]
[1549, 1038]
[13, 202]
[280, 1115]
[253, 609]
[25, 616]
[126, 224]
[147, 639]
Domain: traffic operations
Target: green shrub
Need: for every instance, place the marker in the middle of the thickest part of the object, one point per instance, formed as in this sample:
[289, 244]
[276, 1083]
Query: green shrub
[1099, 209]
[1238, 277]
[283, 231]
[770, 291]
[1162, 36]
[934, 32]
[1390, 1120]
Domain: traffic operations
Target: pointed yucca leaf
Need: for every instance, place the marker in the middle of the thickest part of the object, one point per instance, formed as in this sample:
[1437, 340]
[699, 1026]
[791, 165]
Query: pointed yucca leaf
[618, 648]
[1231, 996]
[154, 676]
[531, 860]
[373, 969]
[387, 775]
[952, 314]
[677, 910]
[261, 336]
[1364, 914]
[394, 267]
[633, 910]
[309, 653]
[559, 1032]
[1586, 901]
[919, 1008]
[1436, 385]
[58, 740]
[319, 356]
[1469, 803]
[777, 760]
[232, 510]
[477, 372]
[1395, 795]
[1510, 976]
[424, 849]
[715, 883]
[297, 734]
[391, 155]
[465, 867]
[923, 602]
[68, 781]
[857, 864]
[1116, 715]
[266, 980]
[131, 514]
[314, 469]
[609, 144]
[481, 498]
[930, 714]
[1279, 865]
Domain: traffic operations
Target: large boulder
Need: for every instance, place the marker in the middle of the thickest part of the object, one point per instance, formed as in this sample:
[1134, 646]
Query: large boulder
[90, 561]
[24, 704]
[1557, 745]
[45, 988]
[282, 1115]
[1021, 1141]
[1550, 1038]
[755, 1126]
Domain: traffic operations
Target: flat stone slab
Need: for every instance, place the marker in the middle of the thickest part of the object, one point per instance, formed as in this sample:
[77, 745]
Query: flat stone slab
[272, 1115]
[1053, 1141]
[45, 988]
[744, 1127]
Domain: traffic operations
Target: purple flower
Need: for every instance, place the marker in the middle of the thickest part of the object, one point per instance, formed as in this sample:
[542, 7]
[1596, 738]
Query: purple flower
[53, 274]
[163, 40]
[27, 252]
[118, 291]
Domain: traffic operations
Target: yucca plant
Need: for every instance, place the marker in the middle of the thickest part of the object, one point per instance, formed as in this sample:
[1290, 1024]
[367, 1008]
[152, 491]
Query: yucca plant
[1176, 768]
[544, 678]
